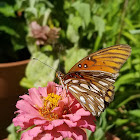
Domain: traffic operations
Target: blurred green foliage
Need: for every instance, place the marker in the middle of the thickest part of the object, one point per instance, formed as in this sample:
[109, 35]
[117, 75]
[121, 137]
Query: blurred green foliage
[86, 26]
[13, 30]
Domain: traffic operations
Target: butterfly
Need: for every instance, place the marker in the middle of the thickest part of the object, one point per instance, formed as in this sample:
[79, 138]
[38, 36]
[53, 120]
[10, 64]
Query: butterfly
[91, 79]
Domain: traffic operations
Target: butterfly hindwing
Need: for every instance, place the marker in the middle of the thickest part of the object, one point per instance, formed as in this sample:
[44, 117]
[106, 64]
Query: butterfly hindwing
[94, 90]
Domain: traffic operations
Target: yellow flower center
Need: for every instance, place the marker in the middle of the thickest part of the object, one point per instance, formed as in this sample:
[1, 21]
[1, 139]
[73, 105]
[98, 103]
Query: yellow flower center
[49, 103]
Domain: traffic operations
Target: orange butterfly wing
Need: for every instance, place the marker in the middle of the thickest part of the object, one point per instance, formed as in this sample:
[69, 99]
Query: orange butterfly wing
[91, 79]
[109, 60]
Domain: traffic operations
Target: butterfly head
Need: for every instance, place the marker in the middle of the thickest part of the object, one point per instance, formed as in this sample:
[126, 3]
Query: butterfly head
[59, 74]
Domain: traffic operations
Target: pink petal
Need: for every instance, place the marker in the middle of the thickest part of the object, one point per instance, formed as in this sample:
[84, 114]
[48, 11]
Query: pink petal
[46, 136]
[58, 111]
[87, 122]
[51, 87]
[43, 91]
[78, 134]
[70, 123]
[59, 138]
[56, 135]
[72, 117]
[59, 90]
[25, 136]
[75, 106]
[35, 96]
[24, 121]
[40, 121]
[58, 122]
[26, 107]
[65, 101]
[48, 126]
[82, 112]
[61, 104]
[34, 131]
[65, 131]
[27, 98]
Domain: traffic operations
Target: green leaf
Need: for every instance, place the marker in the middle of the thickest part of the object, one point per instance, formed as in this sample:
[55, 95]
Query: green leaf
[111, 111]
[9, 30]
[26, 83]
[133, 97]
[13, 132]
[46, 48]
[74, 55]
[135, 31]
[72, 31]
[17, 44]
[32, 47]
[98, 134]
[37, 73]
[7, 10]
[135, 112]
[88, 133]
[131, 37]
[120, 122]
[84, 11]
[126, 79]
[72, 34]
[99, 24]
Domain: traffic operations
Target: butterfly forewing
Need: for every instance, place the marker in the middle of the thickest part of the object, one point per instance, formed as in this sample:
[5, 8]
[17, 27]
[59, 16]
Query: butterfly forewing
[109, 59]
[91, 79]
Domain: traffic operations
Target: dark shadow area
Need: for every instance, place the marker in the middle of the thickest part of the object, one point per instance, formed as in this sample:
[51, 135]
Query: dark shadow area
[7, 108]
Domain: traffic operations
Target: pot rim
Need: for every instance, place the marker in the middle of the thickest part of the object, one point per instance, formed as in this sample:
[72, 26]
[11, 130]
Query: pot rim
[11, 64]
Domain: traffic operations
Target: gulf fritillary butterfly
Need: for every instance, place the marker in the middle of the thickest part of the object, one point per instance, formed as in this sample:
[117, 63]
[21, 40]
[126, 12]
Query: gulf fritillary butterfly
[91, 79]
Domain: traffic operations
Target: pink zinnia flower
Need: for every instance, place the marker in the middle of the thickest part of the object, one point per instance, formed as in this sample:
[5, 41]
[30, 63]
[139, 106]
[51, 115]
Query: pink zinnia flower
[52, 114]
[44, 34]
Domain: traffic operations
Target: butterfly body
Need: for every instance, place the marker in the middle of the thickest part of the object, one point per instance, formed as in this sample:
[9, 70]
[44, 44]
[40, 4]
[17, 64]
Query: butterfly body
[91, 79]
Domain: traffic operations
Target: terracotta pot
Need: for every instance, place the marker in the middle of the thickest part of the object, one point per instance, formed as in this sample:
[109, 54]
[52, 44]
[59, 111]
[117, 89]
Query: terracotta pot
[110, 136]
[10, 76]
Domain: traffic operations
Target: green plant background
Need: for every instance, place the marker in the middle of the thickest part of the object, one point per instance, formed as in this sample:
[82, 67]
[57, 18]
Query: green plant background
[86, 26]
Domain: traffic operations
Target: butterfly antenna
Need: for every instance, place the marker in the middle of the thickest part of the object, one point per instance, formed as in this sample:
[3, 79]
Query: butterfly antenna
[45, 64]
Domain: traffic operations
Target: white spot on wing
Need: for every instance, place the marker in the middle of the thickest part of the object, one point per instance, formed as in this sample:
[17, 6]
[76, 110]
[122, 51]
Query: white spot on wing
[73, 90]
[103, 83]
[93, 113]
[82, 99]
[93, 90]
[67, 81]
[103, 91]
[99, 113]
[111, 80]
[101, 109]
[91, 97]
[85, 65]
[79, 89]
[75, 81]
[84, 85]
[95, 87]
[115, 75]
[92, 108]
[102, 105]
[79, 65]
[100, 100]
